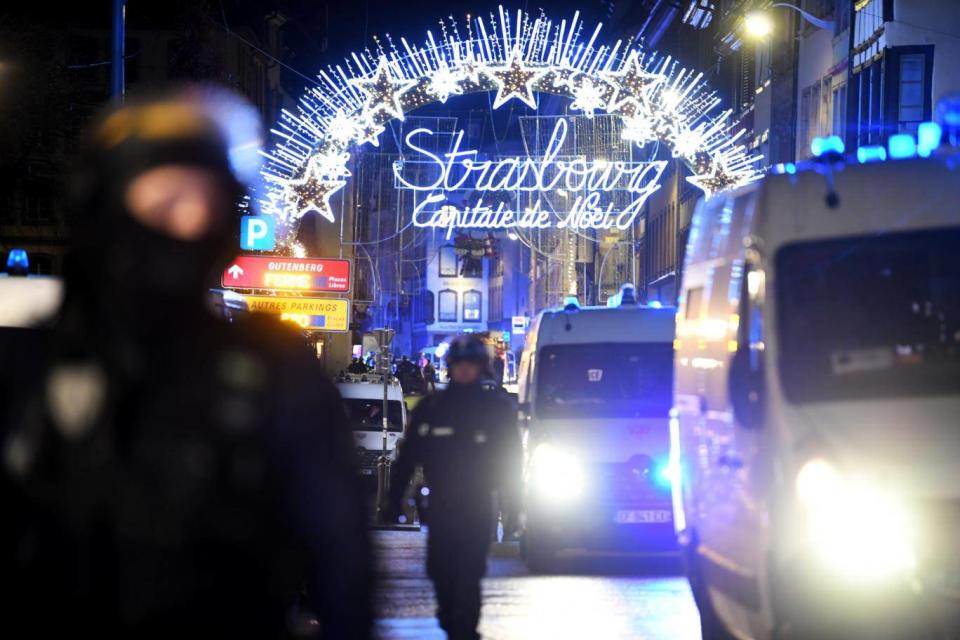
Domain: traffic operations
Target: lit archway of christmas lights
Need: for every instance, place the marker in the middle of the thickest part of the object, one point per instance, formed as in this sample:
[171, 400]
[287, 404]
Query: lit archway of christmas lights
[517, 57]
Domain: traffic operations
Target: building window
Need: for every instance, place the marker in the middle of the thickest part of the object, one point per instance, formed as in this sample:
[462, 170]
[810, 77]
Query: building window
[448, 305]
[839, 127]
[424, 311]
[448, 262]
[912, 89]
[841, 20]
[472, 306]
[471, 267]
[495, 312]
[869, 115]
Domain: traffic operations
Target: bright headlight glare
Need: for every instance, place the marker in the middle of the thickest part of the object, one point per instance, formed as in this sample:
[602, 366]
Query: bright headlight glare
[860, 532]
[556, 474]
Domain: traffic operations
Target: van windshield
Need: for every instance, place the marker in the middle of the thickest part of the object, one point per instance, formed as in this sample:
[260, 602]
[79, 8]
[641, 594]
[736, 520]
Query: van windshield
[605, 381]
[366, 414]
[870, 317]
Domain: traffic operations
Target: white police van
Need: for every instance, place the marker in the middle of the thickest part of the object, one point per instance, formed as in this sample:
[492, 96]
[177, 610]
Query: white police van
[817, 400]
[594, 393]
[363, 401]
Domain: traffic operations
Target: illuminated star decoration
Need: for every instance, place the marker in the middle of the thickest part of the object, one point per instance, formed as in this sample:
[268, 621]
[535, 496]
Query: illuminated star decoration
[633, 83]
[515, 81]
[311, 193]
[369, 131]
[716, 180]
[383, 90]
[470, 70]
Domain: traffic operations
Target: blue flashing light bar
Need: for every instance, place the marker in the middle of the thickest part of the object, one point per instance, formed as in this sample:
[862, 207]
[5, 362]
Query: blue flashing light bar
[929, 135]
[17, 260]
[830, 145]
[902, 146]
[872, 153]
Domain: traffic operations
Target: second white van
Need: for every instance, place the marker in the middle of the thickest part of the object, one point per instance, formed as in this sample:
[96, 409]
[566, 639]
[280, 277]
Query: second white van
[594, 392]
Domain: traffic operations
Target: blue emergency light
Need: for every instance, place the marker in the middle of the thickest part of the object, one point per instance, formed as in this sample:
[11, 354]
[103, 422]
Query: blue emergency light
[829, 145]
[17, 261]
[929, 135]
[902, 145]
[871, 153]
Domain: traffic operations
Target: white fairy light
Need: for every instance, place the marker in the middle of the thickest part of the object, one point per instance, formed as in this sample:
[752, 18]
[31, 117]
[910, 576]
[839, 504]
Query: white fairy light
[342, 128]
[444, 83]
[637, 129]
[687, 142]
[331, 165]
[588, 96]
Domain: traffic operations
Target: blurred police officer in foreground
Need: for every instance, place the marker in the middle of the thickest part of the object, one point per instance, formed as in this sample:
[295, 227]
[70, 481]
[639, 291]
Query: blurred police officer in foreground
[466, 438]
[180, 476]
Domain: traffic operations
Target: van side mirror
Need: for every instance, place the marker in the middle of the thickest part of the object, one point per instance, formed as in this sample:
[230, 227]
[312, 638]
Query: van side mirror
[746, 389]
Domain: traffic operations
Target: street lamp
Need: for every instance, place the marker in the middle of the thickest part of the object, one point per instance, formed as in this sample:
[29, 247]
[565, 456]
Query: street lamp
[758, 24]
[384, 338]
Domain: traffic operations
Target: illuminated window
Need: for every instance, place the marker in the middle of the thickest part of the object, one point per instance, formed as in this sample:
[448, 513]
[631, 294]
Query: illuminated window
[448, 305]
[448, 261]
[472, 301]
[912, 90]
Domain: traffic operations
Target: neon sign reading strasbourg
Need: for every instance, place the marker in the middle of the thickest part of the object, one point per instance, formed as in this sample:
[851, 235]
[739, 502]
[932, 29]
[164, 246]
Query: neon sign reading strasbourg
[591, 184]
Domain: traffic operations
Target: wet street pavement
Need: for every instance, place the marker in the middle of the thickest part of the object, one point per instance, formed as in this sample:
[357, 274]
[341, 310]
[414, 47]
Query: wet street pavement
[588, 599]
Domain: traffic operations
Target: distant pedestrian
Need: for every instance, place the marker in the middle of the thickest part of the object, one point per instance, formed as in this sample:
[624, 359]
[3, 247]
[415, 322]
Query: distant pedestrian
[467, 442]
[429, 377]
[176, 476]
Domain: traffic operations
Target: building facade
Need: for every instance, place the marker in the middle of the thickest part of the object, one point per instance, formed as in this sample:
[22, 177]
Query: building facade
[862, 70]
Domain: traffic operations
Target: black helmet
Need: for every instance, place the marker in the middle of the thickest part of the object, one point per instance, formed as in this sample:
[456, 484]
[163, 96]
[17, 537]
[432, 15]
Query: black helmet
[467, 348]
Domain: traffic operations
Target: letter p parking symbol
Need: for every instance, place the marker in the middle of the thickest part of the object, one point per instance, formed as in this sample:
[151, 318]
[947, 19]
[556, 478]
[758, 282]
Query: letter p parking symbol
[257, 233]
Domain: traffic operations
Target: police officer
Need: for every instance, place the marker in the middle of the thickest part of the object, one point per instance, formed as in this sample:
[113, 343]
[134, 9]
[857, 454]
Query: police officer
[356, 367]
[178, 476]
[466, 439]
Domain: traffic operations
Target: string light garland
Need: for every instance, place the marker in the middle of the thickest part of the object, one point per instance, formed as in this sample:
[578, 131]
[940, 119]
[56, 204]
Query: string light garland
[517, 56]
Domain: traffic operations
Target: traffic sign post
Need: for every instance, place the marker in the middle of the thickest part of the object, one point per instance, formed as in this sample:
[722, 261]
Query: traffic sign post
[321, 314]
[289, 274]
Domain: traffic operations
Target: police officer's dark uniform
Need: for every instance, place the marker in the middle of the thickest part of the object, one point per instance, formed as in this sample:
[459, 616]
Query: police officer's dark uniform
[466, 438]
[180, 476]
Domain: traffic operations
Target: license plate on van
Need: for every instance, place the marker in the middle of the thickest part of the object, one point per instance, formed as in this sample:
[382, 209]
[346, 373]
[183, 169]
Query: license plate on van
[643, 516]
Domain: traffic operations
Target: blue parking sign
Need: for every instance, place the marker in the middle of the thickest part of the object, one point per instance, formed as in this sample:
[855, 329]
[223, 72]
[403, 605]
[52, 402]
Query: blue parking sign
[257, 233]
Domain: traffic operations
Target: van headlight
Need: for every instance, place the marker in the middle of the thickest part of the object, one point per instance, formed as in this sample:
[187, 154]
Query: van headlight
[556, 475]
[860, 532]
